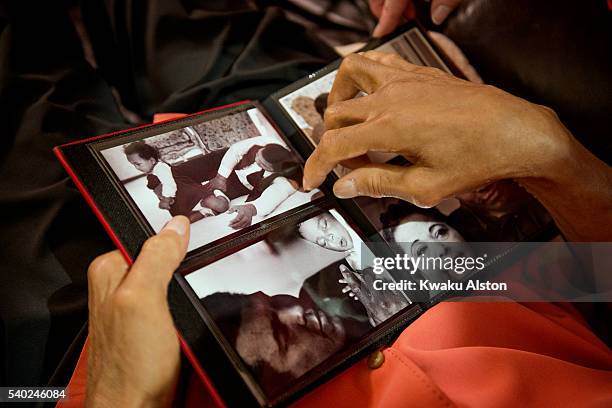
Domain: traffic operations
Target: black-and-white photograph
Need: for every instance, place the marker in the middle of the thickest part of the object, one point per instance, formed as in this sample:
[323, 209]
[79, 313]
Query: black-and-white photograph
[307, 105]
[225, 174]
[292, 300]
[502, 211]
[414, 48]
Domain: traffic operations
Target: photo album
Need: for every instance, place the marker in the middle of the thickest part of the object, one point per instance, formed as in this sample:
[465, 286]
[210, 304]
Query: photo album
[277, 292]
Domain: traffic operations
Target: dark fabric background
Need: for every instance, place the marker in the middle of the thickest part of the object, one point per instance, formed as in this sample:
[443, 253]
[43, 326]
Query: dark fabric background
[161, 56]
[556, 53]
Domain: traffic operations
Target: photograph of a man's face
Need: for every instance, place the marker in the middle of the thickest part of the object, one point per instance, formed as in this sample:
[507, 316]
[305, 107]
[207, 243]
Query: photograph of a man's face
[224, 174]
[290, 301]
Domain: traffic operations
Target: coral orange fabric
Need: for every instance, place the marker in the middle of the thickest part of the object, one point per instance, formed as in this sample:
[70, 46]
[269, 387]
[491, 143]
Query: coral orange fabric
[462, 354]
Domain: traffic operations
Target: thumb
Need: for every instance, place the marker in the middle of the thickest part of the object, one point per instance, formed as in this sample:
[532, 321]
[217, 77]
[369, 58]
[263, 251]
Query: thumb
[160, 256]
[418, 185]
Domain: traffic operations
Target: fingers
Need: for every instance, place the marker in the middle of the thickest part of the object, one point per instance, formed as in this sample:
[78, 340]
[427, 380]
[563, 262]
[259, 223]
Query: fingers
[376, 7]
[441, 9]
[242, 220]
[237, 222]
[356, 162]
[358, 73]
[392, 60]
[104, 275]
[419, 185]
[160, 256]
[339, 145]
[390, 16]
[334, 148]
[347, 113]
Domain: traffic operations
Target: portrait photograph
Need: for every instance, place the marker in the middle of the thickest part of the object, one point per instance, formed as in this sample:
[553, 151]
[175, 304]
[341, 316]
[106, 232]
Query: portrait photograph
[307, 105]
[290, 301]
[501, 211]
[225, 174]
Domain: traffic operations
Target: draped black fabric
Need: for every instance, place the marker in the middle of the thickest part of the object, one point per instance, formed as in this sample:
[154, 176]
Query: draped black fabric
[557, 53]
[160, 55]
[180, 55]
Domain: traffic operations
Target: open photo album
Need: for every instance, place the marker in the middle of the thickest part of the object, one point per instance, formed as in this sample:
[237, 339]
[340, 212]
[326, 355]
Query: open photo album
[276, 293]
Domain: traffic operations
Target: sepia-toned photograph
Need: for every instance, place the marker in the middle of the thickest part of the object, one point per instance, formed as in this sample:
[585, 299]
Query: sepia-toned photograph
[290, 301]
[224, 174]
[306, 106]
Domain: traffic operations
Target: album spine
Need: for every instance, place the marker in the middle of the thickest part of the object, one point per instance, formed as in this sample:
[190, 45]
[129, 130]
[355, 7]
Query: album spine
[92, 204]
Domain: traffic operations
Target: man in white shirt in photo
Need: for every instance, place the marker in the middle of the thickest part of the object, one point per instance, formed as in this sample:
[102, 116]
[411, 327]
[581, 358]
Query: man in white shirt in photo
[266, 171]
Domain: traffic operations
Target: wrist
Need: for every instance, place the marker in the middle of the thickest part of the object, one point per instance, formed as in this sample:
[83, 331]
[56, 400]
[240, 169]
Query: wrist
[549, 147]
[573, 185]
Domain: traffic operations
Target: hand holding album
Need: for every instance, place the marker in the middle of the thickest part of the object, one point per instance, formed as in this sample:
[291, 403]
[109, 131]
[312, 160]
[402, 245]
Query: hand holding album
[126, 310]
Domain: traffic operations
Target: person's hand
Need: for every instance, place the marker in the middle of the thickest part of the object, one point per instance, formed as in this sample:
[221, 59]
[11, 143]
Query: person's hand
[352, 282]
[379, 304]
[244, 215]
[133, 357]
[457, 134]
[391, 12]
[218, 183]
[165, 203]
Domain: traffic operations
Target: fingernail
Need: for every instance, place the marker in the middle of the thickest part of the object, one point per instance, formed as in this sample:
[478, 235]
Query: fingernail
[345, 188]
[178, 225]
[377, 31]
[439, 14]
[306, 185]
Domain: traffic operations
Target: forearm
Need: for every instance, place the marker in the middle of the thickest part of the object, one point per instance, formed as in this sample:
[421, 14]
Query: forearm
[577, 192]
[273, 196]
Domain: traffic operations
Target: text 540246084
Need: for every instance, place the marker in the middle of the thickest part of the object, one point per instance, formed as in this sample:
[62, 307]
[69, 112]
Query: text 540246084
[32, 394]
